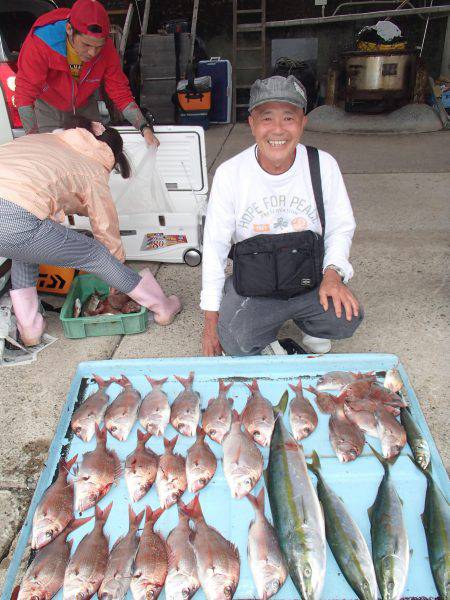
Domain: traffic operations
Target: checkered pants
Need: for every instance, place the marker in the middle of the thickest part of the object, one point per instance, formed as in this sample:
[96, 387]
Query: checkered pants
[30, 241]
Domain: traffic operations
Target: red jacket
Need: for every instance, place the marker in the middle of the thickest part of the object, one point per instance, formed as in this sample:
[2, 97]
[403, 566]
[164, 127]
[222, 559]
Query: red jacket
[43, 71]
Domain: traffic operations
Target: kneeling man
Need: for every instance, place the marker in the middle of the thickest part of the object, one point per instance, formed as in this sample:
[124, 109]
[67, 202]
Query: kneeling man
[283, 210]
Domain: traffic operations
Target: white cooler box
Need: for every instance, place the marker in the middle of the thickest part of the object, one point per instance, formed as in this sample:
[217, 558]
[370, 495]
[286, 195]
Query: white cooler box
[152, 234]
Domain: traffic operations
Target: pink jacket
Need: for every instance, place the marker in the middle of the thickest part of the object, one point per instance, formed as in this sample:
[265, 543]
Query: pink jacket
[63, 173]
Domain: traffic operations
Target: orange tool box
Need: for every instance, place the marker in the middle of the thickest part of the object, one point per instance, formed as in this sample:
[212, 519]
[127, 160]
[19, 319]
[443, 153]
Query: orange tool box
[55, 280]
[194, 94]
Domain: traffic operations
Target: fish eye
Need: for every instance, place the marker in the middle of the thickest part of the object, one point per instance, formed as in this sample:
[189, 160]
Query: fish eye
[256, 434]
[202, 480]
[85, 477]
[248, 481]
[185, 592]
[212, 432]
[113, 428]
[78, 430]
[49, 533]
[228, 591]
[149, 594]
[307, 571]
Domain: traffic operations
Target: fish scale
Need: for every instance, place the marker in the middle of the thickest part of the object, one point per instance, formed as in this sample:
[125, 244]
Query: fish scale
[302, 416]
[216, 420]
[121, 414]
[345, 539]
[297, 514]
[98, 471]
[390, 546]
[267, 564]
[54, 511]
[117, 577]
[154, 412]
[182, 578]
[87, 566]
[436, 522]
[218, 561]
[91, 411]
[45, 575]
[185, 410]
[151, 563]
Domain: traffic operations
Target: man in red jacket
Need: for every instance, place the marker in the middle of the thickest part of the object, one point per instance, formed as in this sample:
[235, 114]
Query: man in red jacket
[64, 59]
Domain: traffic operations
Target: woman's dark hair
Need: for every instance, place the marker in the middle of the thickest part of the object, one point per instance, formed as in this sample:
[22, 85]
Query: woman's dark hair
[110, 136]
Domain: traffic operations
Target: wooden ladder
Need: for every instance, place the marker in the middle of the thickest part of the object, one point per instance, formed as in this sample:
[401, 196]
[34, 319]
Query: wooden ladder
[249, 49]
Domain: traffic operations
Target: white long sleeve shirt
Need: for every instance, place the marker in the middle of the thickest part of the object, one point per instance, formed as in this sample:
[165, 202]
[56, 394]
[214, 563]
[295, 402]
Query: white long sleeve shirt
[246, 201]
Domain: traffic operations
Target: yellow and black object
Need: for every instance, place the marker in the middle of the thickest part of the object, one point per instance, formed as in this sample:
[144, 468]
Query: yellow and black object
[55, 280]
[193, 100]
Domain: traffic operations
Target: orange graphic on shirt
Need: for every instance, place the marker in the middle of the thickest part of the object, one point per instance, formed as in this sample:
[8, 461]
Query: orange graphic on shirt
[299, 224]
[264, 228]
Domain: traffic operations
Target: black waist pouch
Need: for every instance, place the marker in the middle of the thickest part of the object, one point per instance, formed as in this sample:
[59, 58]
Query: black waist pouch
[283, 265]
[278, 266]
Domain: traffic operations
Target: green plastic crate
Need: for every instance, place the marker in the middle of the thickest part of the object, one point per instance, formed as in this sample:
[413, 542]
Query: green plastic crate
[82, 287]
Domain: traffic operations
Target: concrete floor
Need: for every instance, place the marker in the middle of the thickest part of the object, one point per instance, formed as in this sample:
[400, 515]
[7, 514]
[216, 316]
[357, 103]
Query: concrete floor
[399, 186]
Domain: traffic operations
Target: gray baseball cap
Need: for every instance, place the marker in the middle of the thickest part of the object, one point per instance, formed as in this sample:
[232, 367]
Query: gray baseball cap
[277, 89]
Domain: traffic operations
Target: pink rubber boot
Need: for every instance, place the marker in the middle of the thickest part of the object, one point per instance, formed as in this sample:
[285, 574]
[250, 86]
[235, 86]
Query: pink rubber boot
[148, 293]
[30, 322]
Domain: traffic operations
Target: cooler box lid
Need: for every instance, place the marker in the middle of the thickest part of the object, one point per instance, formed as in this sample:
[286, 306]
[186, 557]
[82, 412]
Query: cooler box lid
[181, 157]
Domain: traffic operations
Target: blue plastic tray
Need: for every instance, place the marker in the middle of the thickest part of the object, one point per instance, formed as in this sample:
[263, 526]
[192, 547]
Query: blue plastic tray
[355, 482]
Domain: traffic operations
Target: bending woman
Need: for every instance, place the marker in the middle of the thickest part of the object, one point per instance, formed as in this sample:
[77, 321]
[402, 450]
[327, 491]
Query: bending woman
[45, 177]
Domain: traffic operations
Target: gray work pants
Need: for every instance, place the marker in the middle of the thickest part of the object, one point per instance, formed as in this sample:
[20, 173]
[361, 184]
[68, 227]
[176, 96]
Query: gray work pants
[247, 325]
[30, 241]
[49, 118]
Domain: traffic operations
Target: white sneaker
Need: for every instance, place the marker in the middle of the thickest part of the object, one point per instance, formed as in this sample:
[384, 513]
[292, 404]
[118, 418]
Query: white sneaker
[275, 348]
[315, 345]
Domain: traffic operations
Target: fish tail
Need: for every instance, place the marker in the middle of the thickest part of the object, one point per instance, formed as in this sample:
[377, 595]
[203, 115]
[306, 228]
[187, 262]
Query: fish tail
[100, 434]
[156, 382]
[75, 523]
[314, 466]
[342, 397]
[134, 519]
[102, 383]
[169, 445]
[224, 387]
[235, 416]
[201, 432]
[123, 381]
[193, 510]
[186, 382]
[280, 408]
[298, 389]
[257, 501]
[253, 386]
[151, 516]
[384, 461]
[143, 436]
[67, 465]
[101, 516]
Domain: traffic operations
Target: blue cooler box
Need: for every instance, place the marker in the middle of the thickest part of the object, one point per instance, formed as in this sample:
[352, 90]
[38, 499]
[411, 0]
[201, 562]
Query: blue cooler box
[220, 72]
